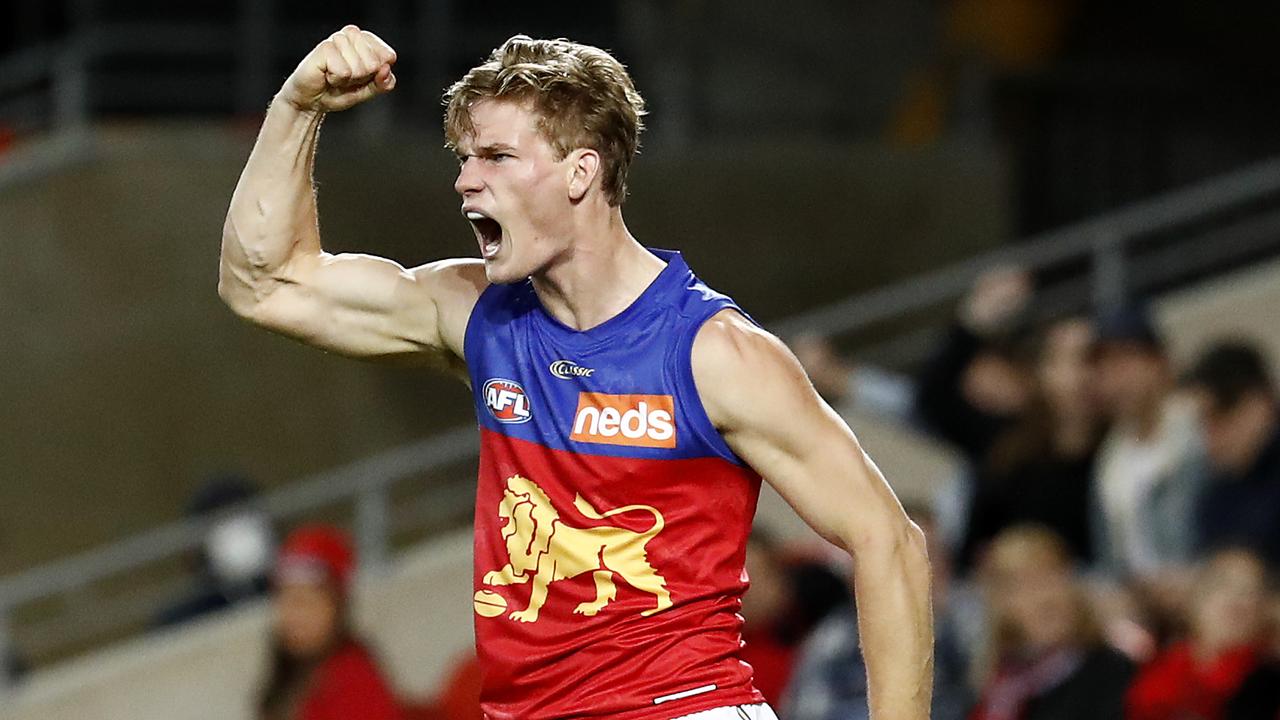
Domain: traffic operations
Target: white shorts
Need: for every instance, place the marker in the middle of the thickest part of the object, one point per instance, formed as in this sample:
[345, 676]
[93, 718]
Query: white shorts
[759, 711]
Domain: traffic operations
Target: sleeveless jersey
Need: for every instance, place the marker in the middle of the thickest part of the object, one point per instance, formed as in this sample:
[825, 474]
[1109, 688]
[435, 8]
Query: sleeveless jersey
[611, 517]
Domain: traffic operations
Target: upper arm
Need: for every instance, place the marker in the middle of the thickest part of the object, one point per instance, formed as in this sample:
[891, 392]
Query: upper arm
[370, 307]
[789, 435]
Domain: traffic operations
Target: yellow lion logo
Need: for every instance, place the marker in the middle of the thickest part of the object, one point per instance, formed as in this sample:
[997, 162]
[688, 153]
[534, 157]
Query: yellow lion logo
[542, 548]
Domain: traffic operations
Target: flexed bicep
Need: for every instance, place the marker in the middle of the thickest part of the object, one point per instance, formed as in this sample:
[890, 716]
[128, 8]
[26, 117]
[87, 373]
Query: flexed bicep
[373, 308]
[273, 270]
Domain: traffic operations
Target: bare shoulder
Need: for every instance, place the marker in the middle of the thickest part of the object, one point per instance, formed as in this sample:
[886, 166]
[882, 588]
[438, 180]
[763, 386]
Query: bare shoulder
[731, 353]
[463, 276]
[729, 339]
[454, 285]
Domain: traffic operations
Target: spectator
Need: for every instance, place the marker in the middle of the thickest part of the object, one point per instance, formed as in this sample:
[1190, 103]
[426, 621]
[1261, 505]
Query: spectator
[844, 384]
[786, 600]
[1044, 658]
[764, 609]
[830, 678]
[318, 669]
[1040, 470]
[1241, 501]
[974, 388]
[1202, 676]
[235, 557]
[1149, 468]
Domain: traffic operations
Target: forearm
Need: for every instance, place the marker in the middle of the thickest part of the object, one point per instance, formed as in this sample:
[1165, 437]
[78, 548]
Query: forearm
[895, 624]
[272, 217]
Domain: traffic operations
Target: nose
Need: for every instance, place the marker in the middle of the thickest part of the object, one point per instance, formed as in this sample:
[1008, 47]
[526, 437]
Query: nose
[468, 182]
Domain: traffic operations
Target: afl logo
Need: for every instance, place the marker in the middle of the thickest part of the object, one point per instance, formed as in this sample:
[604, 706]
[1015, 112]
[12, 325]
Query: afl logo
[568, 369]
[507, 401]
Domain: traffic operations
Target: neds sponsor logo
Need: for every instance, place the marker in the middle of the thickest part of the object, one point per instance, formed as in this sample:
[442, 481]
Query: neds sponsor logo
[632, 420]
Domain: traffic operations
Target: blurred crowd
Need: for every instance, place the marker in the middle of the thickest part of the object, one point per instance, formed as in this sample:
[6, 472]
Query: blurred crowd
[1119, 527]
[1111, 555]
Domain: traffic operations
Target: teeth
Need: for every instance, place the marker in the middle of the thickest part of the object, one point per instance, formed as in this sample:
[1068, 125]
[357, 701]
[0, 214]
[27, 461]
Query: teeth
[473, 215]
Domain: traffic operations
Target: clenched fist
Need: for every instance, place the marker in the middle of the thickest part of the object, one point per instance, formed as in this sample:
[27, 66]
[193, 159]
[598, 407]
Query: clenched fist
[349, 67]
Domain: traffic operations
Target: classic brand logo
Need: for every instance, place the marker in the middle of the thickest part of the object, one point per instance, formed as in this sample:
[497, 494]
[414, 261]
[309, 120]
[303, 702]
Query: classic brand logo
[568, 369]
[507, 401]
[633, 420]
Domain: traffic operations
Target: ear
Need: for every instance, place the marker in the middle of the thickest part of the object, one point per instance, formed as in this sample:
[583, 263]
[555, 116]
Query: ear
[583, 167]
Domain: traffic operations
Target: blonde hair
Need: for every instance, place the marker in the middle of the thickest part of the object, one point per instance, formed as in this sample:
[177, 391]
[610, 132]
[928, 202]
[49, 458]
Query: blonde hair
[583, 97]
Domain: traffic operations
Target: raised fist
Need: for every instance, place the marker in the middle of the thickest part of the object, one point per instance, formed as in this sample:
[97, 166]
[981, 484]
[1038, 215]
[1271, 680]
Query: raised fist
[349, 67]
[997, 300]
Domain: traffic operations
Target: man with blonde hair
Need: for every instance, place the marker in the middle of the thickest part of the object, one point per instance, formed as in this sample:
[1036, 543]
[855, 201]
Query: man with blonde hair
[627, 411]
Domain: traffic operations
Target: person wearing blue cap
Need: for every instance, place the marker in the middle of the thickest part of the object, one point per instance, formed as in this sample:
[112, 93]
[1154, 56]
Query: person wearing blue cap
[1150, 466]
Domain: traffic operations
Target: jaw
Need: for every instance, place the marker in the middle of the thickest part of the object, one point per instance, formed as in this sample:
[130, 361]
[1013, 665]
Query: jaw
[494, 244]
[504, 267]
[496, 273]
[512, 257]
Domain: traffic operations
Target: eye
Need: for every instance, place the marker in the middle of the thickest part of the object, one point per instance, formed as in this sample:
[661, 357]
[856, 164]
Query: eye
[499, 157]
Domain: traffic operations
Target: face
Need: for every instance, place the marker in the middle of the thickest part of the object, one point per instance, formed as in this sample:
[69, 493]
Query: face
[239, 548]
[1130, 378]
[826, 369]
[307, 618]
[1234, 436]
[515, 191]
[1063, 370]
[1230, 608]
[996, 385]
[1040, 601]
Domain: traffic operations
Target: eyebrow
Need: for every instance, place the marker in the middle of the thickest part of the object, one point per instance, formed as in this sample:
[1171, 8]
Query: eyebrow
[491, 149]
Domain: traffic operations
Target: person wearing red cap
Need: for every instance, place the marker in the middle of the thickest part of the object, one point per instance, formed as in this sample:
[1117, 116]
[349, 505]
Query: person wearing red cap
[318, 669]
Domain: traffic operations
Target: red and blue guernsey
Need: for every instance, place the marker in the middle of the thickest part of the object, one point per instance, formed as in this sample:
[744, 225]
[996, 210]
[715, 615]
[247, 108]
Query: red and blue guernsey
[611, 517]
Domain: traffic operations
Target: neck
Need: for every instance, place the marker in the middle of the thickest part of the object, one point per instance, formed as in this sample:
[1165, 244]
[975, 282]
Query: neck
[603, 270]
[1073, 438]
[1147, 419]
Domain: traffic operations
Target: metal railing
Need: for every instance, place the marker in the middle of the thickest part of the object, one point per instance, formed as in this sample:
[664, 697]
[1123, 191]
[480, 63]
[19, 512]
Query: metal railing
[1094, 265]
[1219, 224]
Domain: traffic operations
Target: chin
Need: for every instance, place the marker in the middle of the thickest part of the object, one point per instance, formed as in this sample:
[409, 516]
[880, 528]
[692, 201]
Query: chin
[497, 274]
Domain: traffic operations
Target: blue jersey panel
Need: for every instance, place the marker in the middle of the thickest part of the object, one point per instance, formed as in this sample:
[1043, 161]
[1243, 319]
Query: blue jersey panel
[623, 388]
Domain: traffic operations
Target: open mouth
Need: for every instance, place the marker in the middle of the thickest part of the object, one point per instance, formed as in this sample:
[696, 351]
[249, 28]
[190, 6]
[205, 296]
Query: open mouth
[488, 232]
